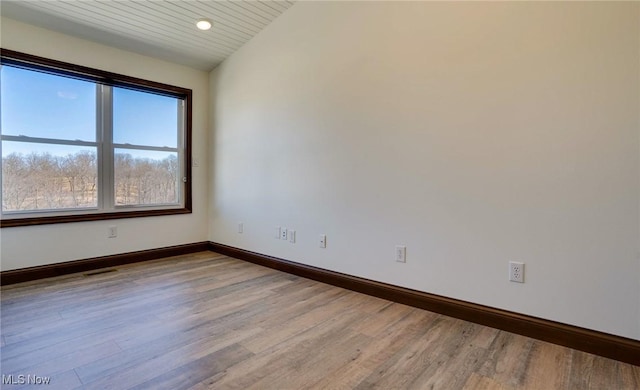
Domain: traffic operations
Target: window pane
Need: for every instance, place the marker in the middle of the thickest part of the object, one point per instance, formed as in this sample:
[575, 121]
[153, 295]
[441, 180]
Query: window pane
[141, 118]
[43, 176]
[77, 147]
[41, 105]
[146, 177]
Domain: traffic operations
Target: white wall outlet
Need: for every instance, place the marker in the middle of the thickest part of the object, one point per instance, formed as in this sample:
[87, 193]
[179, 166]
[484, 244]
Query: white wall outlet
[516, 272]
[195, 162]
[292, 236]
[401, 253]
[283, 233]
[323, 241]
[240, 227]
[113, 231]
[277, 232]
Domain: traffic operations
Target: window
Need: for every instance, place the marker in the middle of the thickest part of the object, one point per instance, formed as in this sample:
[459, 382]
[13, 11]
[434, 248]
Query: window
[81, 144]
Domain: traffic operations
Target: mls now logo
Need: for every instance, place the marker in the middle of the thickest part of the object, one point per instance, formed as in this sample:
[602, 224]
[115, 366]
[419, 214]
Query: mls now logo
[25, 380]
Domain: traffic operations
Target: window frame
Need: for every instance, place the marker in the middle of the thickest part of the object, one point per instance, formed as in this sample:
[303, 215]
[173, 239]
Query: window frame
[65, 69]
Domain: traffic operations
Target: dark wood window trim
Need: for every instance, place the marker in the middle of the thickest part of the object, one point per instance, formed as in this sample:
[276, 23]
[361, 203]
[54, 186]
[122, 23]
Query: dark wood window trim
[100, 76]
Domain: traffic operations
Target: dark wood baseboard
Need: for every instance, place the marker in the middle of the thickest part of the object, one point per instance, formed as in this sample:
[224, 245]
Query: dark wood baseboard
[69, 267]
[599, 343]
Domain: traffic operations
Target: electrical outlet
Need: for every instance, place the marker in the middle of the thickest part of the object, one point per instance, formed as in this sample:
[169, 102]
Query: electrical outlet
[516, 272]
[292, 236]
[113, 231]
[283, 234]
[323, 241]
[240, 227]
[401, 254]
[277, 232]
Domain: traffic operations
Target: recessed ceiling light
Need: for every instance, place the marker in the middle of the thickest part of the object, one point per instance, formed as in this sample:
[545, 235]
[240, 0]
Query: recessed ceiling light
[204, 24]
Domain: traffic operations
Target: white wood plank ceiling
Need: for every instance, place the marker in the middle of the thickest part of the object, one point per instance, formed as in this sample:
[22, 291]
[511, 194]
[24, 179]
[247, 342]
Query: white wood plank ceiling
[163, 29]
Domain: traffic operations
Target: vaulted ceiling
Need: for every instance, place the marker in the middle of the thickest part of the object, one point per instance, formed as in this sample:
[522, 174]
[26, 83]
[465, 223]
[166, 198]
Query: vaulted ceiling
[163, 29]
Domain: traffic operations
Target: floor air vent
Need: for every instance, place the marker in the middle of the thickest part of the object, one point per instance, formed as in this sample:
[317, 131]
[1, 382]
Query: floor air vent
[104, 271]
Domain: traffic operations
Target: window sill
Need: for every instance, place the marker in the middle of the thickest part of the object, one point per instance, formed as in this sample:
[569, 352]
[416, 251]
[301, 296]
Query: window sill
[32, 221]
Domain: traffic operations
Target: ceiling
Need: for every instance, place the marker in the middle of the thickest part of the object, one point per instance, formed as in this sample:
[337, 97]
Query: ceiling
[163, 29]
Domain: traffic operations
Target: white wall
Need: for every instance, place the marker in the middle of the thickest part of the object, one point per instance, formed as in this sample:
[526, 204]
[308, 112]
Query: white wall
[32, 246]
[473, 133]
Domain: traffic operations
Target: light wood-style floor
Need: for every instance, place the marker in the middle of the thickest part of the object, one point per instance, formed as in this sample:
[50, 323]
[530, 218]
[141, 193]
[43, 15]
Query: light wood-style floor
[207, 321]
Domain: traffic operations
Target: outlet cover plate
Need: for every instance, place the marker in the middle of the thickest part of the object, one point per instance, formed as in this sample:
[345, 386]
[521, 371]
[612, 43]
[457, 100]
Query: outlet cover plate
[401, 253]
[516, 271]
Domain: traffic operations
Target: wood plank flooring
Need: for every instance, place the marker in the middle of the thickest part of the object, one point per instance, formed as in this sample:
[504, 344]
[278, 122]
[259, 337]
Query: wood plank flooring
[207, 321]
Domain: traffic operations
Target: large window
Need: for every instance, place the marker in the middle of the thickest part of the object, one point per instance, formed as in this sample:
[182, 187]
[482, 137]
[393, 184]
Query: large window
[82, 144]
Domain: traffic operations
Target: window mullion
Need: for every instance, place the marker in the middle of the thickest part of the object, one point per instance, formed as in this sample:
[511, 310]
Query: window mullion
[143, 147]
[51, 141]
[106, 147]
